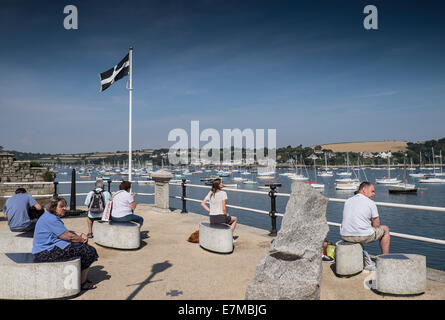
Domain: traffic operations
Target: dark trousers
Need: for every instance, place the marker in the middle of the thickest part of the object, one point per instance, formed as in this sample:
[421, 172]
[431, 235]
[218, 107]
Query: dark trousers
[33, 213]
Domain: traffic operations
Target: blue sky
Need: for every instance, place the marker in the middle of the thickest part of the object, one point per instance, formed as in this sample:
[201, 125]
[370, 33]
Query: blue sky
[308, 69]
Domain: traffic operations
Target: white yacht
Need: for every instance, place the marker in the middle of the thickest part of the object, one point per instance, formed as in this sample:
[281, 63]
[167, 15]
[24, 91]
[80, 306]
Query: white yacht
[388, 180]
[347, 186]
[432, 180]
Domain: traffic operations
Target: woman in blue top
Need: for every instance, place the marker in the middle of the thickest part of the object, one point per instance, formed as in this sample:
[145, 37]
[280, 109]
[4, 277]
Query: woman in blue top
[53, 242]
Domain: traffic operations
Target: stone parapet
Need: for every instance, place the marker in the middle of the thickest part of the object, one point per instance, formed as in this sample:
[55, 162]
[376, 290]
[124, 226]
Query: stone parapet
[21, 172]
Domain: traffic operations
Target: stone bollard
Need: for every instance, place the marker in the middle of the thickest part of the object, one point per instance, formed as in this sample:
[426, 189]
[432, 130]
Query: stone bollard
[162, 178]
[402, 274]
[216, 238]
[348, 258]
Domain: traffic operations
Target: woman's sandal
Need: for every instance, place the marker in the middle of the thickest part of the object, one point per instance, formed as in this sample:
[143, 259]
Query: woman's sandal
[88, 285]
[90, 235]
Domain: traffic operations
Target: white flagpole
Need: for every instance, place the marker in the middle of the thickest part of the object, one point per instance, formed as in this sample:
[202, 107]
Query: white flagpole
[130, 115]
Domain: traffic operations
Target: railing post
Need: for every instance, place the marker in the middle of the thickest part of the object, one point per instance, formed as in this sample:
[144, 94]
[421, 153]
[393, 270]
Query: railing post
[109, 186]
[73, 211]
[73, 191]
[184, 209]
[55, 188]
[273, 210]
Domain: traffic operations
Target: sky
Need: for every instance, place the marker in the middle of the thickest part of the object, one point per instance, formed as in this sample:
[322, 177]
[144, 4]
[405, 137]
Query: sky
[308, 69]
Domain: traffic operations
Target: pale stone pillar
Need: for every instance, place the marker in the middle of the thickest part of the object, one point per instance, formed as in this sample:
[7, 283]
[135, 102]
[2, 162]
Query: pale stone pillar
[162, 178]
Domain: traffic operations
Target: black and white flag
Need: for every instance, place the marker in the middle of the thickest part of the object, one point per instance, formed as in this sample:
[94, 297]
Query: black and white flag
[119, 71]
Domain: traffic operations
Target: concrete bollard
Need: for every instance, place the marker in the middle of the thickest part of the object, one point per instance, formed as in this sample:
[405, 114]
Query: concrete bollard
[402, 274]
[119, 235]
[216, 237]
[348, 258]
[162, 178]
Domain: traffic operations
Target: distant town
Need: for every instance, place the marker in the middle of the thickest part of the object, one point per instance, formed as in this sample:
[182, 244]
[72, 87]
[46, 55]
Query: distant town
[337, 154]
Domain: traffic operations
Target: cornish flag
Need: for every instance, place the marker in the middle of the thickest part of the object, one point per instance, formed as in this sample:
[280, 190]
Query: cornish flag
[119, 71]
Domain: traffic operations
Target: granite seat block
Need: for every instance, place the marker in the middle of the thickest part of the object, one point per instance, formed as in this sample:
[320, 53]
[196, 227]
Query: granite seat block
[119, 235]
[22, 279]
[15, 241]
[348, 258]
[402, 274]
[216, 237]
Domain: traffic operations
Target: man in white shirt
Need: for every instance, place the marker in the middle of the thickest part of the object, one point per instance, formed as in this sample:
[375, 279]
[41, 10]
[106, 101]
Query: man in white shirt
[361, 221]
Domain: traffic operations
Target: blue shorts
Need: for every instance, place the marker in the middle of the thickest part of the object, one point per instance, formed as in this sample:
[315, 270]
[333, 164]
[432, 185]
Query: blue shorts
[220, 218]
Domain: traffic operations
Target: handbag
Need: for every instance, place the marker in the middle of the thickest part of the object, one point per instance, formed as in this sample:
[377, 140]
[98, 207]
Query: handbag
[107, 211]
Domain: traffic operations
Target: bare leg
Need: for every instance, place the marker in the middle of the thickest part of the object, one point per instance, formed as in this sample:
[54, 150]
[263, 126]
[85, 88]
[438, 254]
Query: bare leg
[233, 223]
[83, 275]
[385, 241]
[90, 225]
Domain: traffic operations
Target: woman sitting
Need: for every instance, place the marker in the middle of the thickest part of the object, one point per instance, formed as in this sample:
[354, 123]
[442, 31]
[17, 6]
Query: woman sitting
[124, 205]
[53, 242]
[218, 211]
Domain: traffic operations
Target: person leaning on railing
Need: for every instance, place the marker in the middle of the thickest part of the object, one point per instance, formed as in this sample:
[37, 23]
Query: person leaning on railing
[53, 242]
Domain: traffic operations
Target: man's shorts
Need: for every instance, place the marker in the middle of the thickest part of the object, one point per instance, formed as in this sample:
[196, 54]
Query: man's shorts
[94, 216]
[220, 218]
[377, 235]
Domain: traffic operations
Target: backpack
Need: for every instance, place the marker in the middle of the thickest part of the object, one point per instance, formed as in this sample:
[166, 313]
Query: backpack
[97, 203]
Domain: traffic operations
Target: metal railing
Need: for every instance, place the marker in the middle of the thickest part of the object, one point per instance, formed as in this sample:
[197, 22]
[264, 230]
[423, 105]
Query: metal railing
[273, 214]
[72, 211]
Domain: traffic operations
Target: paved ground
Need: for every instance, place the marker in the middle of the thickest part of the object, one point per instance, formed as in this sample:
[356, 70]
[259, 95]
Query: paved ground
[168, 267]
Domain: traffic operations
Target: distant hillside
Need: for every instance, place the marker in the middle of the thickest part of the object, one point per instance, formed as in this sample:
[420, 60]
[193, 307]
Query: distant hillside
[371, 146]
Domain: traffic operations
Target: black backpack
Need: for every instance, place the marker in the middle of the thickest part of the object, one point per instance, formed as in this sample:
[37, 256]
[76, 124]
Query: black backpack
[97, 203]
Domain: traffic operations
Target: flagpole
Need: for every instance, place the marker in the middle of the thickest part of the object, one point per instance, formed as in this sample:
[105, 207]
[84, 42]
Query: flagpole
[130, 113]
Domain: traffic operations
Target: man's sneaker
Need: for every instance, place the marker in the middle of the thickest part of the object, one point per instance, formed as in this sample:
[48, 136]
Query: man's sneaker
[371, 267]
[367, 262]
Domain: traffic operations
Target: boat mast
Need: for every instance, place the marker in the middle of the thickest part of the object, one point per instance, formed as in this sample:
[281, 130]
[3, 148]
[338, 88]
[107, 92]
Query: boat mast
[440, 161]
[434, 165]
[325, 162]
[404, 168]
[389, 167]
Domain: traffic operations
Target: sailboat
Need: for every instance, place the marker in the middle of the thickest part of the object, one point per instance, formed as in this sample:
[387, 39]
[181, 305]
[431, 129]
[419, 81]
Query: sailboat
[432, 179]
[388, 180]
[325, 172]
[347, 183]
[314, 184]
[440, 174]
[266, 173]
[418, 174]
[346, 173]
[403, 187]
[250, 181]
[296, 175]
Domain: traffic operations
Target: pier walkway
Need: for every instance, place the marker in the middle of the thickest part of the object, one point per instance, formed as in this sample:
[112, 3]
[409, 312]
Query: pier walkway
[168, 267]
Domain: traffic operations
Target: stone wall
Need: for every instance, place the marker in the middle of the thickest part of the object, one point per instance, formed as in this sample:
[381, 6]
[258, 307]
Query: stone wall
[21, 171]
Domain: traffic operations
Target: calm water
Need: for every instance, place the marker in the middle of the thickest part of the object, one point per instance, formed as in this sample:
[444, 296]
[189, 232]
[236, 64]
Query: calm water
[413, 222]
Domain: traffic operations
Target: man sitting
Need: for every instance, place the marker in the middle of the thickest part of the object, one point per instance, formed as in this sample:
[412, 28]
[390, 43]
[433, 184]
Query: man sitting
[361, 221]
[22, 211]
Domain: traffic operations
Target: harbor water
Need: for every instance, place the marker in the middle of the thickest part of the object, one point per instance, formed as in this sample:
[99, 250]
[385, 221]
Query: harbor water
[407, 221]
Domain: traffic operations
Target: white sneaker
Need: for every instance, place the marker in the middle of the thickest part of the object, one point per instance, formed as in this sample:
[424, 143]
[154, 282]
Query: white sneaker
[367, 262]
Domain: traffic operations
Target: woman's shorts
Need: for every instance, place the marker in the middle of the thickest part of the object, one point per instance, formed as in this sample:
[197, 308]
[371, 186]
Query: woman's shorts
[220, 218]
[85, 252]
